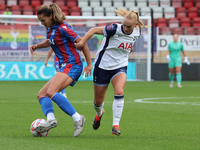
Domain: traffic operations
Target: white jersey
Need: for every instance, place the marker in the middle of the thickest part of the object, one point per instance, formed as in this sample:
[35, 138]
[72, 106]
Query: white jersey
[115, 48]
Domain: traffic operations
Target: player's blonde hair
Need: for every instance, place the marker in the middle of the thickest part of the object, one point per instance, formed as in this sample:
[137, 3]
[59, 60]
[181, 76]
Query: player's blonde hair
[130, 15]
[54, 9]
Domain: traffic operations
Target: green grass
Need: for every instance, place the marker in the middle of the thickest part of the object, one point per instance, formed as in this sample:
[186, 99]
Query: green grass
[169, 121]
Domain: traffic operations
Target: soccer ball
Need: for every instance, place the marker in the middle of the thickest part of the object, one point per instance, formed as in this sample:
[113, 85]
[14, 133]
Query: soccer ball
[34, 124]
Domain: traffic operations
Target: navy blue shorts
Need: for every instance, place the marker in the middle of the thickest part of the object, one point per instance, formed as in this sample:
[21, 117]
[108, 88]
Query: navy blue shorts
[103, 77]
[74, 71]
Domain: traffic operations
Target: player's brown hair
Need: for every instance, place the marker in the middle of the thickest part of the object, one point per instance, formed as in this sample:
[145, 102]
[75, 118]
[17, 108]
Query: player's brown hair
[54, 9]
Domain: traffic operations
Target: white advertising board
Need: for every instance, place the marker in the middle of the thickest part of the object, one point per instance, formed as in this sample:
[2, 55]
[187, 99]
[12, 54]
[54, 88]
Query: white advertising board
[190, 42]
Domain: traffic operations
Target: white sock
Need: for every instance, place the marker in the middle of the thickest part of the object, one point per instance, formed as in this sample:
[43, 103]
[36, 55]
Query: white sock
[118, 105]
[76, 117]
[98, 108]
[50, 116]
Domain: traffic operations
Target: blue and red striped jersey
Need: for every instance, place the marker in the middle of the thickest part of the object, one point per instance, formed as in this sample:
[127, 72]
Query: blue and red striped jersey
[61, 37]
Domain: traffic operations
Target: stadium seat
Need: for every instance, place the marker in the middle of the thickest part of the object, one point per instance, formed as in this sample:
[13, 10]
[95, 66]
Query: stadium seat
[181, 12]
[36, 9]
[110, 11]
[141, 4]
[95, 3]
[164, 3]
[71, 3]
[118, 3]
[98, 11]
[28, 9]
[2, 7]
[161, 20]
[153, 3]
[192, 12]
[179, 31]
[60, 2]
[47, 2]
[196, 22]
[145, 11]
[83, 4]
[86, 11]
[106, 3]
[23, 2]
[188, 4]
[173, 22]
[133, 8]
[15, 7]
[169, 12]
[75, 11]
[198, 4]
[2, 2]
[130, 3]
[185, 22]
[165, 31]
[176, 3]
[157, 12]
[11, 2]
[190, 31]
[35, 3]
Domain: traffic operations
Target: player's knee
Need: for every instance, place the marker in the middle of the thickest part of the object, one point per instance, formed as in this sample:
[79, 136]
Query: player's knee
[50, 93]
[119, 91]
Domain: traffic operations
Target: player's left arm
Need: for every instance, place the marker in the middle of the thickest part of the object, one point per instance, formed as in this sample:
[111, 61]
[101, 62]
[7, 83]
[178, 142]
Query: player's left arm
[48, 56]
[185, 57]
[86, 52]
[88, 35]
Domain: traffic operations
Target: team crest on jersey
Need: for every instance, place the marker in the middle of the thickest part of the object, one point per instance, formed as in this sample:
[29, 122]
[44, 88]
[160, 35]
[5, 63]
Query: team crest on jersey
[50, 42]
[65, 27]
[109, 27]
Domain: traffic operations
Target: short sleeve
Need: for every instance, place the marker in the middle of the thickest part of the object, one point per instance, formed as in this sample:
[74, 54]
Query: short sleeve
[110, 30]
[68, 32]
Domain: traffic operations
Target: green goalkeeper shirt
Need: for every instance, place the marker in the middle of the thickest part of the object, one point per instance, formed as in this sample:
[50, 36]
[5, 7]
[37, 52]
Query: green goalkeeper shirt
[175, 49]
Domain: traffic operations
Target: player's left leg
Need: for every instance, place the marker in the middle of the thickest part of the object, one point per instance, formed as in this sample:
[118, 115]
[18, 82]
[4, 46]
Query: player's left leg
[118, 83]
[178, 76]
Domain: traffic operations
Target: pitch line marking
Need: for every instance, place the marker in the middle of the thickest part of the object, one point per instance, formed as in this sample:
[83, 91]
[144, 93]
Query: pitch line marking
[149, 100]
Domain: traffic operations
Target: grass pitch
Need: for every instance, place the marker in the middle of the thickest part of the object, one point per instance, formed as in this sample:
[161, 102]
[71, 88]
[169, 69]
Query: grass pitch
[155, 117]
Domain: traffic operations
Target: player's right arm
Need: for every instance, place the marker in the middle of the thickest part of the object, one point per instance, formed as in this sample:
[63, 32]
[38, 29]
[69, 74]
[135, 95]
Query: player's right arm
[88, 35]
[39, 45]
[48, 56]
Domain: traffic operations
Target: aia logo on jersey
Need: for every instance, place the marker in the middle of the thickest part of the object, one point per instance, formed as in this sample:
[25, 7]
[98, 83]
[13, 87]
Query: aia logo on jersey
[109, 27]
[125, 45]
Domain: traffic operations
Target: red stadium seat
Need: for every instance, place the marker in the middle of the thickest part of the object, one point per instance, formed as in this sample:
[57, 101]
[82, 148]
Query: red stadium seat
[190, 31]
[196, 22]
[185, 22]
[2, 7]
[188, 4]
[15, 7]
[23, 2]
[162, 22]
[181, 12]
[75, 13]
[102, 22]
[60, 2]
[64, 8]
[173, 22]
[198, 4]
[71, 3]
[2, 2]
[36, 3]
[179, 31]
[165, 31]
[176, 4]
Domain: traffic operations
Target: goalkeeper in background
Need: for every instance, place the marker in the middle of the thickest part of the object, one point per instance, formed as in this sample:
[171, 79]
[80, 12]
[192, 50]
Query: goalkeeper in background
[175, 61]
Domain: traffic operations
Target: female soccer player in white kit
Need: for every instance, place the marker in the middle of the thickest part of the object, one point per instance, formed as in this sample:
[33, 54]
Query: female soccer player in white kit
[111, 62]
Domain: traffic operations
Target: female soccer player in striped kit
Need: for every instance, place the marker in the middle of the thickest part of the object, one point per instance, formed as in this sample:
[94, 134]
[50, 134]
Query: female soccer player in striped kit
[61, 37]
[111, 62]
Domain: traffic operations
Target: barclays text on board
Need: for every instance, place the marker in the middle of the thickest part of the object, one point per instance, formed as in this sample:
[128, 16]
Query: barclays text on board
[32, 71]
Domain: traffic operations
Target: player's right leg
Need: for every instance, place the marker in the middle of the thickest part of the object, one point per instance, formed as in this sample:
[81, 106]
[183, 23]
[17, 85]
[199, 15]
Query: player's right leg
[47, 108]
[171, 74]
[101, 79]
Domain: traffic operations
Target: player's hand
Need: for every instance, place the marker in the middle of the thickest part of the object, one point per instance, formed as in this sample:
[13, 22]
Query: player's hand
[33, 48]
[168, 58]
[186, 61]
[45, 63]
[87, 70]
[79, 46]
